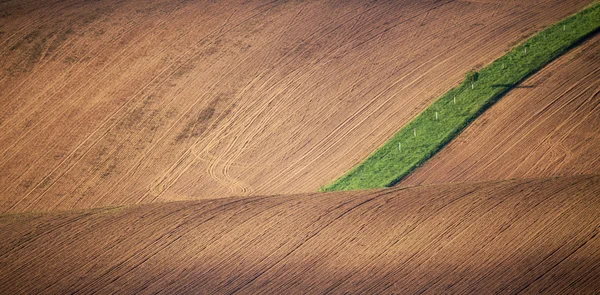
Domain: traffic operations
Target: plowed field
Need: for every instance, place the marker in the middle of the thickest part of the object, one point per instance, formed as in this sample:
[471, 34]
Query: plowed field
[548, 126]
[526, 236]
[123, 102]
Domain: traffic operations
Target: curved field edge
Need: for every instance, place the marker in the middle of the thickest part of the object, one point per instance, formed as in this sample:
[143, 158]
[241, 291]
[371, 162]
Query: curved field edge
[444, 119]
[530, 236]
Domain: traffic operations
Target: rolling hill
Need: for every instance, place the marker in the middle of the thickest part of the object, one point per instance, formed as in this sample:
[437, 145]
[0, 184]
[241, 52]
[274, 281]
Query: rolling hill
[126, 102]
[518, 236]
[176, 147]
[547, 126]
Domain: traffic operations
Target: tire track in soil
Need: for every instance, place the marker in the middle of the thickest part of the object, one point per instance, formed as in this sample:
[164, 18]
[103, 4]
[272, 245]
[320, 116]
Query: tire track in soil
[500, 236]
[559, 111]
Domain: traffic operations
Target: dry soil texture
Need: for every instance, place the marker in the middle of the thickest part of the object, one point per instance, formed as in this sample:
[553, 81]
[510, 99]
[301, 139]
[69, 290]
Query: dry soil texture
[548, 126]
[525, 236]
[122, 102]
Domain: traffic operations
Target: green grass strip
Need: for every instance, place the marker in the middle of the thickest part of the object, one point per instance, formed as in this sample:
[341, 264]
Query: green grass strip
[390, 163]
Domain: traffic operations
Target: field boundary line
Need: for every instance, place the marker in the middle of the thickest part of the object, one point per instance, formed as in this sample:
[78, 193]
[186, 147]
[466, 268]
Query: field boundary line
[426, 134]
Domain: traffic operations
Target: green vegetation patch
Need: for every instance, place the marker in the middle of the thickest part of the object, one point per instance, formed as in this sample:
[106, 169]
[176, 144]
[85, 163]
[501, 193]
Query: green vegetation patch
[443, 120]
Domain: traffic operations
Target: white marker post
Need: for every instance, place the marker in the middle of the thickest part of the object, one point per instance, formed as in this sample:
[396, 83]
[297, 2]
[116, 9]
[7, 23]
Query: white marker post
[436, 116]
[564, 28]
[455, 99]
[415, 131]
[525, 50]
[399, 146]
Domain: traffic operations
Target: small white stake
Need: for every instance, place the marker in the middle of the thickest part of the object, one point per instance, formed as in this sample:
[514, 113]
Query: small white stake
[455, 99]
[472, 85]
[399, 146]
[564, 28]
[415, 132]
[436, 116]
[525, 50]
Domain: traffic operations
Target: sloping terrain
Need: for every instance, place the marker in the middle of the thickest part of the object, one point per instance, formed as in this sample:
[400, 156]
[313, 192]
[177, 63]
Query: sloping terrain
[548, 126]
[515, 236]
[122, 102]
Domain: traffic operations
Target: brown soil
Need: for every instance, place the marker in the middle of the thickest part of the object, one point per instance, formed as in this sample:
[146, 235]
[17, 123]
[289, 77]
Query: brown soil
[548, 126]
[527, 236]
[122, 102]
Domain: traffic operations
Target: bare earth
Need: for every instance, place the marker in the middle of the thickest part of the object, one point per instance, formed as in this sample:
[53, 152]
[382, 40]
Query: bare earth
[186, 108]
[515, 236]
[123, 102]
[548, 126]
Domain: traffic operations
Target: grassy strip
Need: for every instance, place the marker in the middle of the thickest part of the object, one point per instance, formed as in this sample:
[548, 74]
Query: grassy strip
[461, 105]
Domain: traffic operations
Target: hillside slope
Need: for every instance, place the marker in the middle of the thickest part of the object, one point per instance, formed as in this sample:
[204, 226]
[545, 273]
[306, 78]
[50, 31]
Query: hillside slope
[121, 102]
[548, 126]
[514, 236]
